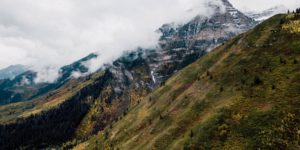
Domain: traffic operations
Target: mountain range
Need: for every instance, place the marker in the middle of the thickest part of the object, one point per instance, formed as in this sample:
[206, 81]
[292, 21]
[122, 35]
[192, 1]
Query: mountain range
[209, 80]
[179, 46]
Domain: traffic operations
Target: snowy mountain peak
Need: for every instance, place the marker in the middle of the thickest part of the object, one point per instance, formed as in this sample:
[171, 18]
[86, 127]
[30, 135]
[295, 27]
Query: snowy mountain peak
[263, 15]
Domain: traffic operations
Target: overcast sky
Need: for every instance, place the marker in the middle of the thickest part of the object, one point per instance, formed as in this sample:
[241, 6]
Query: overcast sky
[259, 5]
[53, 33]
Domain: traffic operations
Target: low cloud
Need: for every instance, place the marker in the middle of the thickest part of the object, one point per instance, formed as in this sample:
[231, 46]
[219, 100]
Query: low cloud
[51, 33]
[48, 34]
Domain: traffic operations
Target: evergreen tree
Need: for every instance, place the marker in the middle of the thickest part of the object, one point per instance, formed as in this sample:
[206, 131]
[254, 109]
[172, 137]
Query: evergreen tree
[298, 10]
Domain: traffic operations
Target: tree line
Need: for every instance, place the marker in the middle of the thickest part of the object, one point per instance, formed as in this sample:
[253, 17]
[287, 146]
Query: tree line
[297, 11]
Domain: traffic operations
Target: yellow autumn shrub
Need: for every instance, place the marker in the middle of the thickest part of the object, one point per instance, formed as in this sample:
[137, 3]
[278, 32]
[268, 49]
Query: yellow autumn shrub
[292, 27]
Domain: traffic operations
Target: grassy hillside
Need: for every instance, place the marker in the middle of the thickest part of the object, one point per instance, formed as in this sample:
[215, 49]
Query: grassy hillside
[244, 94]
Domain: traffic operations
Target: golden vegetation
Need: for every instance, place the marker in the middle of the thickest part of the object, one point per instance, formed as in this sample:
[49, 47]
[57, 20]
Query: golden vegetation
[292, 27]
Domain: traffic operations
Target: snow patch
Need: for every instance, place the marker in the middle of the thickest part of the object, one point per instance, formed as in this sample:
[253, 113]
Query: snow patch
[153, 77]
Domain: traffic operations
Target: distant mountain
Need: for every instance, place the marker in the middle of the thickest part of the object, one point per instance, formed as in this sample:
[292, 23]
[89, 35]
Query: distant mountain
[12, 71]
[23, 86]
[263, 15]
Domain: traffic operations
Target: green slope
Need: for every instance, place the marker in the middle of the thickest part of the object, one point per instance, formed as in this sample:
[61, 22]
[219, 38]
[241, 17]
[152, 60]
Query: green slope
[244, 94]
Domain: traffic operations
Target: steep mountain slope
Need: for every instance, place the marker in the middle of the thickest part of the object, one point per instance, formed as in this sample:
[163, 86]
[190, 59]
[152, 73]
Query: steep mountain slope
[242, 95]
[12, 71]
[139, 72]
[98, 99]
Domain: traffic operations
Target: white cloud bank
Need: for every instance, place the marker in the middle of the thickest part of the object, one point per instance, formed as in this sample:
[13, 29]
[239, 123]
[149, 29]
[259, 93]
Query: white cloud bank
[52, 33]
